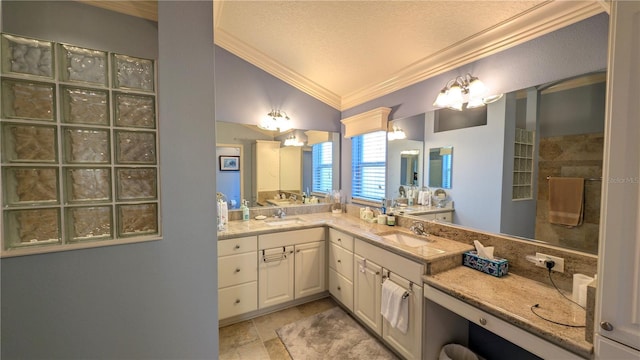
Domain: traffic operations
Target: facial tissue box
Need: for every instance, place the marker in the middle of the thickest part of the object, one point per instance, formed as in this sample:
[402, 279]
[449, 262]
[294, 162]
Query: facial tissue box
[496, 267]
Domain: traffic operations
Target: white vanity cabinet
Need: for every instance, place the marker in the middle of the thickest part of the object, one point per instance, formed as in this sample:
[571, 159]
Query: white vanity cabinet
[341, 267]
[372, 266]
[291, 265]
[237, 276]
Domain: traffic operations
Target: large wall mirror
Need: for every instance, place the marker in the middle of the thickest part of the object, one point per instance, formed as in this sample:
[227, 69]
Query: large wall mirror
[405, 157]
[270, 171]
[502, 167]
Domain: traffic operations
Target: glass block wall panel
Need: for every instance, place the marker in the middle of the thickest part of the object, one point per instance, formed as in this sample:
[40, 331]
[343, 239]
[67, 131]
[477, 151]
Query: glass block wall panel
[27, 56]
[78, 156]
[89, 223]
[31, 227]
[28, 100]
[87, 184]
[83, 65]
[30, 186]
[523, 165]
[135, 147]
[137, 111]
[137, 183]
[85, 106]
[133, 73]
[137, 219]
[85, 145]
[26, 143]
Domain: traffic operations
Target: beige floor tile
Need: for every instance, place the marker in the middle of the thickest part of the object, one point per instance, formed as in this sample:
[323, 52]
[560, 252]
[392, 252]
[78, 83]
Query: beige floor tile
[276, 349]
[237, 335]
[268, 324]
[316, 307]
[251, 351]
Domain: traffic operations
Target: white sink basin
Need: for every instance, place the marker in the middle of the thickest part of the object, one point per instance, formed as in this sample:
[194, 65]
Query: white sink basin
[414, 241]
[283, 221]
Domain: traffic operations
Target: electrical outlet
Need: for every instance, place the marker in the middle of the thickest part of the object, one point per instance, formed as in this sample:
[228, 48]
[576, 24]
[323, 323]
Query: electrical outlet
[559, 262]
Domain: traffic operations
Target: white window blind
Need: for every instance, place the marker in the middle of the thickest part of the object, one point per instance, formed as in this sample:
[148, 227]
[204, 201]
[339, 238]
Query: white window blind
[446, 173]
[322, 167]
[369, 155]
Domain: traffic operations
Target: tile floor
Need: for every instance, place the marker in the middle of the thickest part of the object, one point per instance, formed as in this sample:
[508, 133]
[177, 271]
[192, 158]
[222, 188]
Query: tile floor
[256, 339]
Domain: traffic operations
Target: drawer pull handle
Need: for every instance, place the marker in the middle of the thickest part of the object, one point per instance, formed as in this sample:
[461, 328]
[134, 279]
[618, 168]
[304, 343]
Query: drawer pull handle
[377, 272]
[483, 321]
[237, 301]
[339, 260]
[339, 239]
[339, 288]
[237, 270]
[605, 325]
[237, 247]
[298, 250]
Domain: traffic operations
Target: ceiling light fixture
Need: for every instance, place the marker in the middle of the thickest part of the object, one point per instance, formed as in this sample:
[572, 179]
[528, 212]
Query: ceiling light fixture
[293, 141]
[396, 134]
[276, 120]
[452, 96]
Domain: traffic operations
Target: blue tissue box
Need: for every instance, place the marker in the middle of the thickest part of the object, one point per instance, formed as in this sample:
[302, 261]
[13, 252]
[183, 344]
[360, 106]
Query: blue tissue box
[496, 267]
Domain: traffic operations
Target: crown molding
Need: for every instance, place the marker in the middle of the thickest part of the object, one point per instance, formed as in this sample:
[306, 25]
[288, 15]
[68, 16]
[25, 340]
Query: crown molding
[259, 59]
[366, 122]
[545, 18]
[538, 21]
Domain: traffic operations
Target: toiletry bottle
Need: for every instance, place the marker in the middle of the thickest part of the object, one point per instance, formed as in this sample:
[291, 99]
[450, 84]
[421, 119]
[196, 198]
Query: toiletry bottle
[368, 214]
[391, 219]
[245, 210]
[383, 208]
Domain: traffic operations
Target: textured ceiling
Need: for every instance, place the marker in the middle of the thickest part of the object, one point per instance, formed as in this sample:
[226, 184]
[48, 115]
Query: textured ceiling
[345, 53]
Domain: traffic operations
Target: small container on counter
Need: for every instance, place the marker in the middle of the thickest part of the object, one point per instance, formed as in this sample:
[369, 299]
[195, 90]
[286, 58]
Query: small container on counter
[391, 219]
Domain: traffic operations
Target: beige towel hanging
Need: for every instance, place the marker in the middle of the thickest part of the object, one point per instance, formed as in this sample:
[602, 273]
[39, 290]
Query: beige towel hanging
[566, 201]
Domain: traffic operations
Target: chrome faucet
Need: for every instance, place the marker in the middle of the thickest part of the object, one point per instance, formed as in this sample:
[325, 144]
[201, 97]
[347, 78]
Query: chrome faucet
[280, 213]
[417, 228]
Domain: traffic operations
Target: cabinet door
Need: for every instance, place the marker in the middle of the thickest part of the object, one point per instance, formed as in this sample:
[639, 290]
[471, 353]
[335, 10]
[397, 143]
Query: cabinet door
[619, 260]
[367, 287]
[275, 277]
[310, 269]
[409, 345]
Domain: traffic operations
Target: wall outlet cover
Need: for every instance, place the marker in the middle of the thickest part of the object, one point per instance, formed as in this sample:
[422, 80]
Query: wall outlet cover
[559, 262]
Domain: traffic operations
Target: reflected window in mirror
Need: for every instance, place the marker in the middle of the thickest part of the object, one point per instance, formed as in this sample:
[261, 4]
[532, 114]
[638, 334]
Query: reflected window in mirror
[368, 164]
[440, 167]
[322, 167]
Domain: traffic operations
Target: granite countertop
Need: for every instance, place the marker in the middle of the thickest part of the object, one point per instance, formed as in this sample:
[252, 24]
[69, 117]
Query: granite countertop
[511, 297]
[370, 232]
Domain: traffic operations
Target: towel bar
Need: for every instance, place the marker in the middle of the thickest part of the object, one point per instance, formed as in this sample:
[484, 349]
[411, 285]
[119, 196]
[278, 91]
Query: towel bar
[585, 179]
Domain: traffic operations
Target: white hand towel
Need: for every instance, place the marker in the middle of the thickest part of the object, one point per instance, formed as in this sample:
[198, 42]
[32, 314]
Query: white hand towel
[391, 302]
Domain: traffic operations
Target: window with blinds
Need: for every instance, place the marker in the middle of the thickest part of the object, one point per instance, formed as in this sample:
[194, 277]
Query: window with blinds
[322, 167]
[369, 155]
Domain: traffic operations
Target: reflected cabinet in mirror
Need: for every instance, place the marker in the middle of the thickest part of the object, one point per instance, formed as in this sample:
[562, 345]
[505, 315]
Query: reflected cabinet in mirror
[273, 168]
[504, 167]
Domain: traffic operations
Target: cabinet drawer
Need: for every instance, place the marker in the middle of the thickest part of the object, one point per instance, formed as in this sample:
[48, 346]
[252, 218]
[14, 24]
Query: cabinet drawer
[238, 245]
[237, 269]
[341, 288]
[445, 216]
[342, 239]
[395, 263]
[236, 300]
[286, 238]
[341, 260]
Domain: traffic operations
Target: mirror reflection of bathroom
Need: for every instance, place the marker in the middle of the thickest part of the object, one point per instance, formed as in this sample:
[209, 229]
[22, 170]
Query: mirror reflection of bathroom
[409, 167]
[440, 167]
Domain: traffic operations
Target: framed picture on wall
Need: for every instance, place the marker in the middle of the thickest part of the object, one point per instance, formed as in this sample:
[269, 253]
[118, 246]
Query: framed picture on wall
[229, 163]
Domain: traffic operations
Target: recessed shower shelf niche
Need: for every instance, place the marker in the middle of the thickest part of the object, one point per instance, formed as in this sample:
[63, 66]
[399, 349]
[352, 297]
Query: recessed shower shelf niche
[79, 147]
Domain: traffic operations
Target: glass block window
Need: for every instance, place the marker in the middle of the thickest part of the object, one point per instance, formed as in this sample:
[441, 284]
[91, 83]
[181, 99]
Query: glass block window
[79, 145]
[523, 165]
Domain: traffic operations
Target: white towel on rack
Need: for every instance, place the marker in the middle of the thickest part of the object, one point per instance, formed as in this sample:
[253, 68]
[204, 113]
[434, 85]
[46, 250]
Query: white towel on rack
[392, 305]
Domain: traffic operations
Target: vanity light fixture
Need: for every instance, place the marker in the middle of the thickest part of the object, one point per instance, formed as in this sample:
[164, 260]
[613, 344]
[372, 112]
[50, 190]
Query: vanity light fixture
[452, 96]
[293, 141]
[396, 134]
[276, 120]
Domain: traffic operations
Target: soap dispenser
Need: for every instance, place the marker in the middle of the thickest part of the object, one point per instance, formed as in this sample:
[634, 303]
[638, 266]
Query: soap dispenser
[245, 210]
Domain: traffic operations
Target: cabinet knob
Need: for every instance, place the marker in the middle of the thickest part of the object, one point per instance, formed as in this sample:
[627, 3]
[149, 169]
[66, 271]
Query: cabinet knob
[237, 247]
[339, 260]
[339, 239]
[298, 250]
[339, 288]
[605, 325]
[237, 270]
[237, 301]
[483, 321]
[377, 272]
